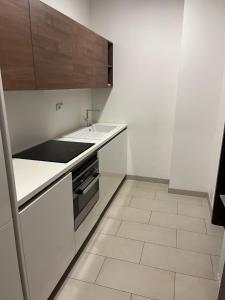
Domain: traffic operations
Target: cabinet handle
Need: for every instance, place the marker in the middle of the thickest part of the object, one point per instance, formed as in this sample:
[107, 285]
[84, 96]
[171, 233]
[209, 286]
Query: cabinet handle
[81, 191]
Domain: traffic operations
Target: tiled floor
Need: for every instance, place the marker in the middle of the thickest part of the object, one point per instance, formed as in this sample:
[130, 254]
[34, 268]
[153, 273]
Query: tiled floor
[151, 245]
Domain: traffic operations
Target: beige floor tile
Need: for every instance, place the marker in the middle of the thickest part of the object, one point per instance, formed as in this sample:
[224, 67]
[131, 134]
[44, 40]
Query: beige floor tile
[215, 230]
[143, 192]
[122, 200]
[137, 279]
[128, 214]
[182, 199]
[135, 297]
[177, 260]
[108, 226]
[165, 206]
[87, 267]
[153, 186]
[199, 242]
[127, 189]
[189, 200]
[137, 189]
[78, 290]
[178, 222]
[194, 211]
[148, 233]
[215, 263]
[124, 192]
[193, 288]
[131, 182]
[116, 247]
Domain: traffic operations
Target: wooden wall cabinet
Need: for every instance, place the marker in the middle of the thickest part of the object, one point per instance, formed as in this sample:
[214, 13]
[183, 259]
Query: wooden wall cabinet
[16, 57]
[43, 49]
[52, 47]
[90, 56]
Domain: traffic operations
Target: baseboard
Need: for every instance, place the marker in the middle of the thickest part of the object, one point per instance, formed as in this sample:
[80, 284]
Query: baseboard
[171, 190]
[148, 179]
[188, 193]
[210, 204]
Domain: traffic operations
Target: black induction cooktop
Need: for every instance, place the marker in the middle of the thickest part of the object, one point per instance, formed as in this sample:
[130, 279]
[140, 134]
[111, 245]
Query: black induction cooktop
[54, 151]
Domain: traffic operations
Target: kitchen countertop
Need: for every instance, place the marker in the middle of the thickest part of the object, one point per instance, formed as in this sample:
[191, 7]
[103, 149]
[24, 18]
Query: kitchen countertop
[31, 177]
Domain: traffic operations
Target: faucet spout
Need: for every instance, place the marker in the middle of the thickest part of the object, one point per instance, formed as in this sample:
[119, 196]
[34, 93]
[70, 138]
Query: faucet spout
[87, 116]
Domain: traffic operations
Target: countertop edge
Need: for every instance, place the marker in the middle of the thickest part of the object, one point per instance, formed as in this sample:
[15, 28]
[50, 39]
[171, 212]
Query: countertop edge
[68, 166]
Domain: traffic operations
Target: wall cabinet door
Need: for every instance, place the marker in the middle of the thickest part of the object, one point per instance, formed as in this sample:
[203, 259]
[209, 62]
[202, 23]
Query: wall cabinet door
[112, 165]
[16, 58]
[43, 49]
[48, 238]
[52, 47]
[90, 57]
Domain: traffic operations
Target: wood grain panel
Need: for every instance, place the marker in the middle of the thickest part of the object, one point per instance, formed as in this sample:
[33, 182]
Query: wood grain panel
[90, 58]
[16, 58]
[52, 46]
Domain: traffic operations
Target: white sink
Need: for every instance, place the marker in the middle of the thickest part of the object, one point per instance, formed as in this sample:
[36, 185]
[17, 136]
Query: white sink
[102, 128]
[94, 132]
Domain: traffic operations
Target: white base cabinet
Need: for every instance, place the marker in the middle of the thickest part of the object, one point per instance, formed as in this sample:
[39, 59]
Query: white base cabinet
[113, 167]
[48, 238]
[10, 284]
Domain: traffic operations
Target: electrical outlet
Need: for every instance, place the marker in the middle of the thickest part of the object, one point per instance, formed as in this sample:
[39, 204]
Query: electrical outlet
[58, 106]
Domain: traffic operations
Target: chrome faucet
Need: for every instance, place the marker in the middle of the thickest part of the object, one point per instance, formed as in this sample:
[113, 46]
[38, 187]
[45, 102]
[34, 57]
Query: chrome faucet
[86, 117]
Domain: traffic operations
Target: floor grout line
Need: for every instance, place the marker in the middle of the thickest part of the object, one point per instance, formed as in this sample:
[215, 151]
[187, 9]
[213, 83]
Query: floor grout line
[206, 227]
[116, 234]
[176, 238]
[118, 229]
[150, 217]
[154, 267]
[133, 294]
[105, 286]
[214, 275]
[154, 244]
[141, 252]
[144, 265]
[175, 277]
[100, 269]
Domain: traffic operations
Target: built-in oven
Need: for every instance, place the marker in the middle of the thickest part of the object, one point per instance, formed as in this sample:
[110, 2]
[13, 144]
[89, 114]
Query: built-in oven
[85, 189]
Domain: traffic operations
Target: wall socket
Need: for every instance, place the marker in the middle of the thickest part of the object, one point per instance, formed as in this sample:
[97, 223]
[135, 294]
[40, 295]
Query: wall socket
[58, 106]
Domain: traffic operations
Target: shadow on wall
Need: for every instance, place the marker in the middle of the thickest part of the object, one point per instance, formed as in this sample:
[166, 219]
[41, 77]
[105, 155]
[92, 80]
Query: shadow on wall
[100, 102]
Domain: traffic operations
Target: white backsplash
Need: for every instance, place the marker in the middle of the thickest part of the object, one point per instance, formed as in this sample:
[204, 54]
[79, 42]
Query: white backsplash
[33, 118]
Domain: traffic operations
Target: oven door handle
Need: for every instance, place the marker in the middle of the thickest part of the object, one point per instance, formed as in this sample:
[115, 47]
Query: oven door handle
[84, 191]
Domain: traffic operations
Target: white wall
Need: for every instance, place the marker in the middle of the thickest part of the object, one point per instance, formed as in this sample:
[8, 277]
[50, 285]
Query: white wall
[33, 118]
[146, 36]
[32, 115]
[215, 159]
[217, 143]
[200, 80]
[79, 10]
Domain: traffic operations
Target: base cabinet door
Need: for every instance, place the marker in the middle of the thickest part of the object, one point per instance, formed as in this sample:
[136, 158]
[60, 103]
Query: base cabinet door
[48, 238]
[113, 166]
[10, 283]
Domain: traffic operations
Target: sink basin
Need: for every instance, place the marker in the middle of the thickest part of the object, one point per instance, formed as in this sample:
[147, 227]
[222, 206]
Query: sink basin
[102, 128]
[94, 132]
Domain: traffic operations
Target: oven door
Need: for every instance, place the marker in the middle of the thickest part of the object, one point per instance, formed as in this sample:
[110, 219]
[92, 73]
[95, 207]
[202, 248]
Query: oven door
[85, 196]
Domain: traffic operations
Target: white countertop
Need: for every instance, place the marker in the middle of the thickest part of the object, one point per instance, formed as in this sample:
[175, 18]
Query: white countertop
[31, 177]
